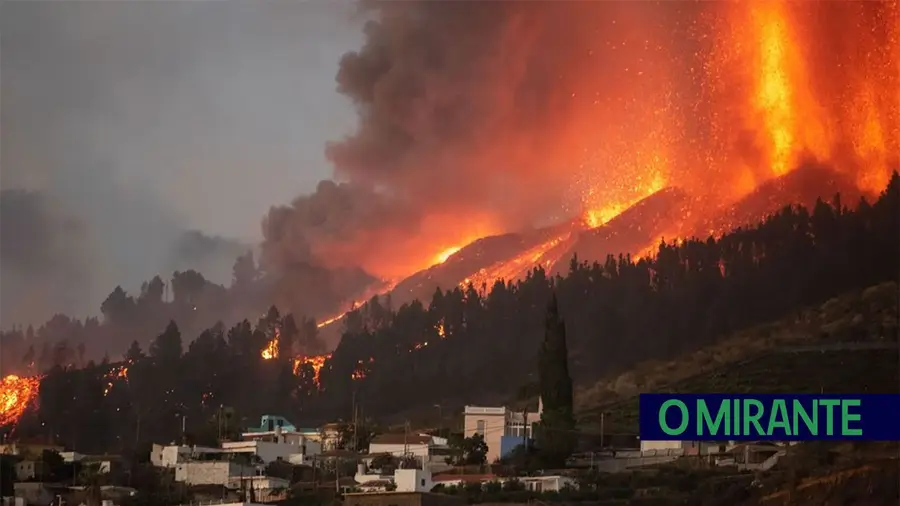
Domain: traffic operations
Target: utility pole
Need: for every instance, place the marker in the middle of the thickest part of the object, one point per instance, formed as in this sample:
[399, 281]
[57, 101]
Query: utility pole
[525, 428]
[355, 425]
[405, 444]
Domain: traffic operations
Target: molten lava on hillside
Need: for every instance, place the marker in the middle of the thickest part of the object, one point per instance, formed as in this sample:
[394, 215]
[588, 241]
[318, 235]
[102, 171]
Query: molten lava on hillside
[17, 393]
[527, 111]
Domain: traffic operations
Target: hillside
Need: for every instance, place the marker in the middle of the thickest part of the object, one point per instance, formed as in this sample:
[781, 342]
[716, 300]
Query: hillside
[446, 350]
[847, 345]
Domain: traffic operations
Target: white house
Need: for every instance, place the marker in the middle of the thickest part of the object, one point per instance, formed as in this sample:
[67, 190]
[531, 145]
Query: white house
[429, 451]
[275, 445]
[328, 436]
[211, 472]
[169, 456]
[647, 446]
[104, 463]
[502, 428]
[400, 445]
[291, 447]
[547, 483]
[553, 483]
[413, 480]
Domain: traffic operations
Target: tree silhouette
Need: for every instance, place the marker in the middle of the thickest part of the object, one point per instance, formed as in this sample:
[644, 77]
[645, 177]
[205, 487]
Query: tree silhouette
[617, 312]
[167, 346]
[556, 431]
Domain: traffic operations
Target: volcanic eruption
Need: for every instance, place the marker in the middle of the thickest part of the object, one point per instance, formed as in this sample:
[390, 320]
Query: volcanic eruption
[497, 137]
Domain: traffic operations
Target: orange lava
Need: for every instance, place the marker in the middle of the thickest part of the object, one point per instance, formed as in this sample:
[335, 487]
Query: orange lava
[315, 361]
[271, 349]
[765, 87]
[17, 393]
[598, 214]
[362, 369]
[447, 253]
[118, 373]
[544, 254]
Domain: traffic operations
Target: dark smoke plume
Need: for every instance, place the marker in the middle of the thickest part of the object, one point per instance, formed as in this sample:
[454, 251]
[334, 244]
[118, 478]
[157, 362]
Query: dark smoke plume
[497, 115]
[469, 112]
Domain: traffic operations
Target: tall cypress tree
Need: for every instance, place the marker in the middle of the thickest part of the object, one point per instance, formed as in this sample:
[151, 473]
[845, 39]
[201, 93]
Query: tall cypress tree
[556, 435]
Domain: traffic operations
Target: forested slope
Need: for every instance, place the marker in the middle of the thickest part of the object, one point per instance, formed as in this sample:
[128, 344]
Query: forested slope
[480, 344]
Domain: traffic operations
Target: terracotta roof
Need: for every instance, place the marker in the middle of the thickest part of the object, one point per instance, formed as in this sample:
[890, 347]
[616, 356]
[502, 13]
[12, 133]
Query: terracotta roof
[399, 439]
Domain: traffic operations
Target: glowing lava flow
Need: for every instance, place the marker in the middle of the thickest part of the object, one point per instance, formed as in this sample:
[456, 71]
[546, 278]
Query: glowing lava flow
[444, 255]
[600, 215]
[16, 395]
[774, 96]
[509, 270]
[314, 361]
[767, 89]
[271, 349]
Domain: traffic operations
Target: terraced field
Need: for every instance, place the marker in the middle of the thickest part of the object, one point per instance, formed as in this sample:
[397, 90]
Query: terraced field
[836, 371]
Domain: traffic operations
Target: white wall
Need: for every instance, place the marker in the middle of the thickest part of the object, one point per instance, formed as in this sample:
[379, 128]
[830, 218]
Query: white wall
[169, 456]
[297, 449]
[547, 483]
[210, 473]
[413, 480]
[661, 445]
[25, 470]
[269, 452]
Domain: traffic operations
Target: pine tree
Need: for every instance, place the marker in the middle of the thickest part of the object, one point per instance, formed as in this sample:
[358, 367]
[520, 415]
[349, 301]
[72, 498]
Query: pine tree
[134, 352]
[167, 346]
[556, 435]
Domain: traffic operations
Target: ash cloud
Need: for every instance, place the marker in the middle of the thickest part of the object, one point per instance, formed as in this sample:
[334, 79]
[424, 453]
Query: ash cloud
[41, 251]
[479, 111]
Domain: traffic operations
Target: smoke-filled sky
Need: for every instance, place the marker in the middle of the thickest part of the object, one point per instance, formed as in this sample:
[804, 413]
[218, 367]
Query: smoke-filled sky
[143, 119]
[439, 121]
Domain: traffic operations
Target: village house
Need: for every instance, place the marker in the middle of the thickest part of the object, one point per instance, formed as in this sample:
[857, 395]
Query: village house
[223, 472]
[412, 487]
[502, 428]
[264, 488]
[28, 450]
[429, 451]
[751, 456]
[550, 483]
[329, 435]
[30, 469]
[283, 442]
[683, 447]
[104, 464]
